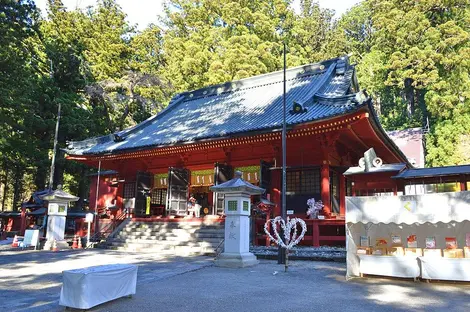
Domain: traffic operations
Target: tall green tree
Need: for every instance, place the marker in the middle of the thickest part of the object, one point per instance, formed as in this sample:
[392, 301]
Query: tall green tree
[18, 26]
[426, 46]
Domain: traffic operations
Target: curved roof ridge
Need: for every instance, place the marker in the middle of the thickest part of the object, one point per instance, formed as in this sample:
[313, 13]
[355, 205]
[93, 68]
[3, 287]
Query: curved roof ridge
[266, 79]
[222, 110]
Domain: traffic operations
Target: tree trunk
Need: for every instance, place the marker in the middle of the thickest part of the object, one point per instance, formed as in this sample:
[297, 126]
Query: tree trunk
[422, 105]
[83, 187]
[409, 95]
[17, 187]
[40, 178]
[5, 185]
[59, 168]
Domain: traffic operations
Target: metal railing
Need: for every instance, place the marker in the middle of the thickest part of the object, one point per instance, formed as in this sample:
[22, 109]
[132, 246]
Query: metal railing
[104, 232]
[218, 249]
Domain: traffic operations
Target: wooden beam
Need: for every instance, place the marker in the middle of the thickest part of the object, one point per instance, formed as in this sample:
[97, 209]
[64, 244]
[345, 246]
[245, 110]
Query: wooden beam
[364, 145]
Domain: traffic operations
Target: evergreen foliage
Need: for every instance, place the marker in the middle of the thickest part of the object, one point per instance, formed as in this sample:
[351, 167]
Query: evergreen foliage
[413, 57]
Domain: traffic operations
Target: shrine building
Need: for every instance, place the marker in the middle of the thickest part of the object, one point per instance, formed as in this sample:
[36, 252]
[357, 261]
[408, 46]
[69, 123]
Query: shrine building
[205, 135]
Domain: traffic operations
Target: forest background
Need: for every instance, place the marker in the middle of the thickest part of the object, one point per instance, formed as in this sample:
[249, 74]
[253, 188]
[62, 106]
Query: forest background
[413, 58]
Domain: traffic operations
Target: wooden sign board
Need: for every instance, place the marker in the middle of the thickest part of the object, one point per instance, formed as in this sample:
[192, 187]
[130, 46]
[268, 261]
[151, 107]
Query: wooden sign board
[31, 238]
[89, 217]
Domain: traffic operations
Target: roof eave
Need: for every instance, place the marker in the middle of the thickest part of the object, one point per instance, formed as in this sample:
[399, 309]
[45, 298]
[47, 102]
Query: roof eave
[375, 123]
[209, 139]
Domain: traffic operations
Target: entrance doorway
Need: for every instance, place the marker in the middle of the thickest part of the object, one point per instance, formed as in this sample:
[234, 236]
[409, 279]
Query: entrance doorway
[203, 197]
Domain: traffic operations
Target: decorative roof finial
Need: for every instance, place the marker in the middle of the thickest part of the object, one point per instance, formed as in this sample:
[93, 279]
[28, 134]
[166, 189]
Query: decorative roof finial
[238, 174]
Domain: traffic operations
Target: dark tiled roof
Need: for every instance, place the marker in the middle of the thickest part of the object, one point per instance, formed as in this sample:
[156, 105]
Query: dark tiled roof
[235, 108]
[103, 173]
[434, 172]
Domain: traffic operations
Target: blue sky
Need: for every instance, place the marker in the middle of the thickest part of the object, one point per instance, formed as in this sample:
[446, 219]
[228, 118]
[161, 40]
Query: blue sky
[144, 12]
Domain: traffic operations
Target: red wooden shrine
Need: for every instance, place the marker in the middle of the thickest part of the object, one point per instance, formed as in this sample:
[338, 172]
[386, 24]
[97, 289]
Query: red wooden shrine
[207, 134]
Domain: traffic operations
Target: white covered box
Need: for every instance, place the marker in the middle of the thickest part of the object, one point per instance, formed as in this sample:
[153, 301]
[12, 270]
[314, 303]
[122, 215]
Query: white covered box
[389, 266]
[445, 269]
[88, 287]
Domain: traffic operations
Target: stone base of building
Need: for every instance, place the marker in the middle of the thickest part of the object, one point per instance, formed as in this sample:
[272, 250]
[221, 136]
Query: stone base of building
[233, 260]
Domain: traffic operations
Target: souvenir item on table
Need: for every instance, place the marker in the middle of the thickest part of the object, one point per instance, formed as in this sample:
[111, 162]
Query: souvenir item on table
[396, 240]
[363, 251]
[396, 251]
[451, 243]
[466, 251]
[412, 242]
[380, 242]
[379, 251]
[430, 242]
[365, 241]
[414, 252]
[453, 253]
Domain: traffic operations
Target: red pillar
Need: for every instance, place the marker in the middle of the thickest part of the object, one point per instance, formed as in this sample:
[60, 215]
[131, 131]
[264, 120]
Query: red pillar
[342, 195]
[463, 184]
[23, 221]
[316, 233]
[276, 181]
[325, 189]
[80, 227]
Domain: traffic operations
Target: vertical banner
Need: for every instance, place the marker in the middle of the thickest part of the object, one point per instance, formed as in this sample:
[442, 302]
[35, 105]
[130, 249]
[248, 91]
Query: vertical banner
[147, 207]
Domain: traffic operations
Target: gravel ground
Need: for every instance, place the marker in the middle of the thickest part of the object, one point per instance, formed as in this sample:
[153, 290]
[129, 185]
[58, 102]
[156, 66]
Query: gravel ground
[307, 286]
[30, 281]
[322, 253]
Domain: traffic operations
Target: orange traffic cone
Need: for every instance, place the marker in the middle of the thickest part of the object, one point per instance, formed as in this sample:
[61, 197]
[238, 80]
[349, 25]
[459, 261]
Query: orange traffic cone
[74, 243]
[79, 243]
[15, 242]
[54, 245]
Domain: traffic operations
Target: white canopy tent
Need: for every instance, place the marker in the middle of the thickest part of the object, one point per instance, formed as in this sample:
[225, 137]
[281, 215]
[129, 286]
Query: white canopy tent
[431, 215]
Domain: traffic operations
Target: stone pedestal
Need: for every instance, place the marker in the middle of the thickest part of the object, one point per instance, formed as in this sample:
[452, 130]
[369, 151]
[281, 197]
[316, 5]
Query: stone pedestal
[235, 260]
[56, 215]
[56, 230]
[237, 222]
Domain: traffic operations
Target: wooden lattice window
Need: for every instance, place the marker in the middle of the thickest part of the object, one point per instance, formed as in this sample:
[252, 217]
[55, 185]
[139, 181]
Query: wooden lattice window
[129, 190]
[293, 182]
[305, 181]
[158, 197]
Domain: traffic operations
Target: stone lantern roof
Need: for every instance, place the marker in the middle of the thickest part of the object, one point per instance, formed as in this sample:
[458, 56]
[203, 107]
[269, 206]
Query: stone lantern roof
[238, 185]
[59, 195]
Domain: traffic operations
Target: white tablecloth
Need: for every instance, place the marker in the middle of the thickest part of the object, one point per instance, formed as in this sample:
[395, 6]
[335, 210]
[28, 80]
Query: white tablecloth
[389, 266]
[88, 287]
[445, 268]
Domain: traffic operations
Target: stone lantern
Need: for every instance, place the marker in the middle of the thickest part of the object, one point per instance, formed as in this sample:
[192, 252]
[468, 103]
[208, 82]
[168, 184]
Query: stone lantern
[237, 223]
[58, 203]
